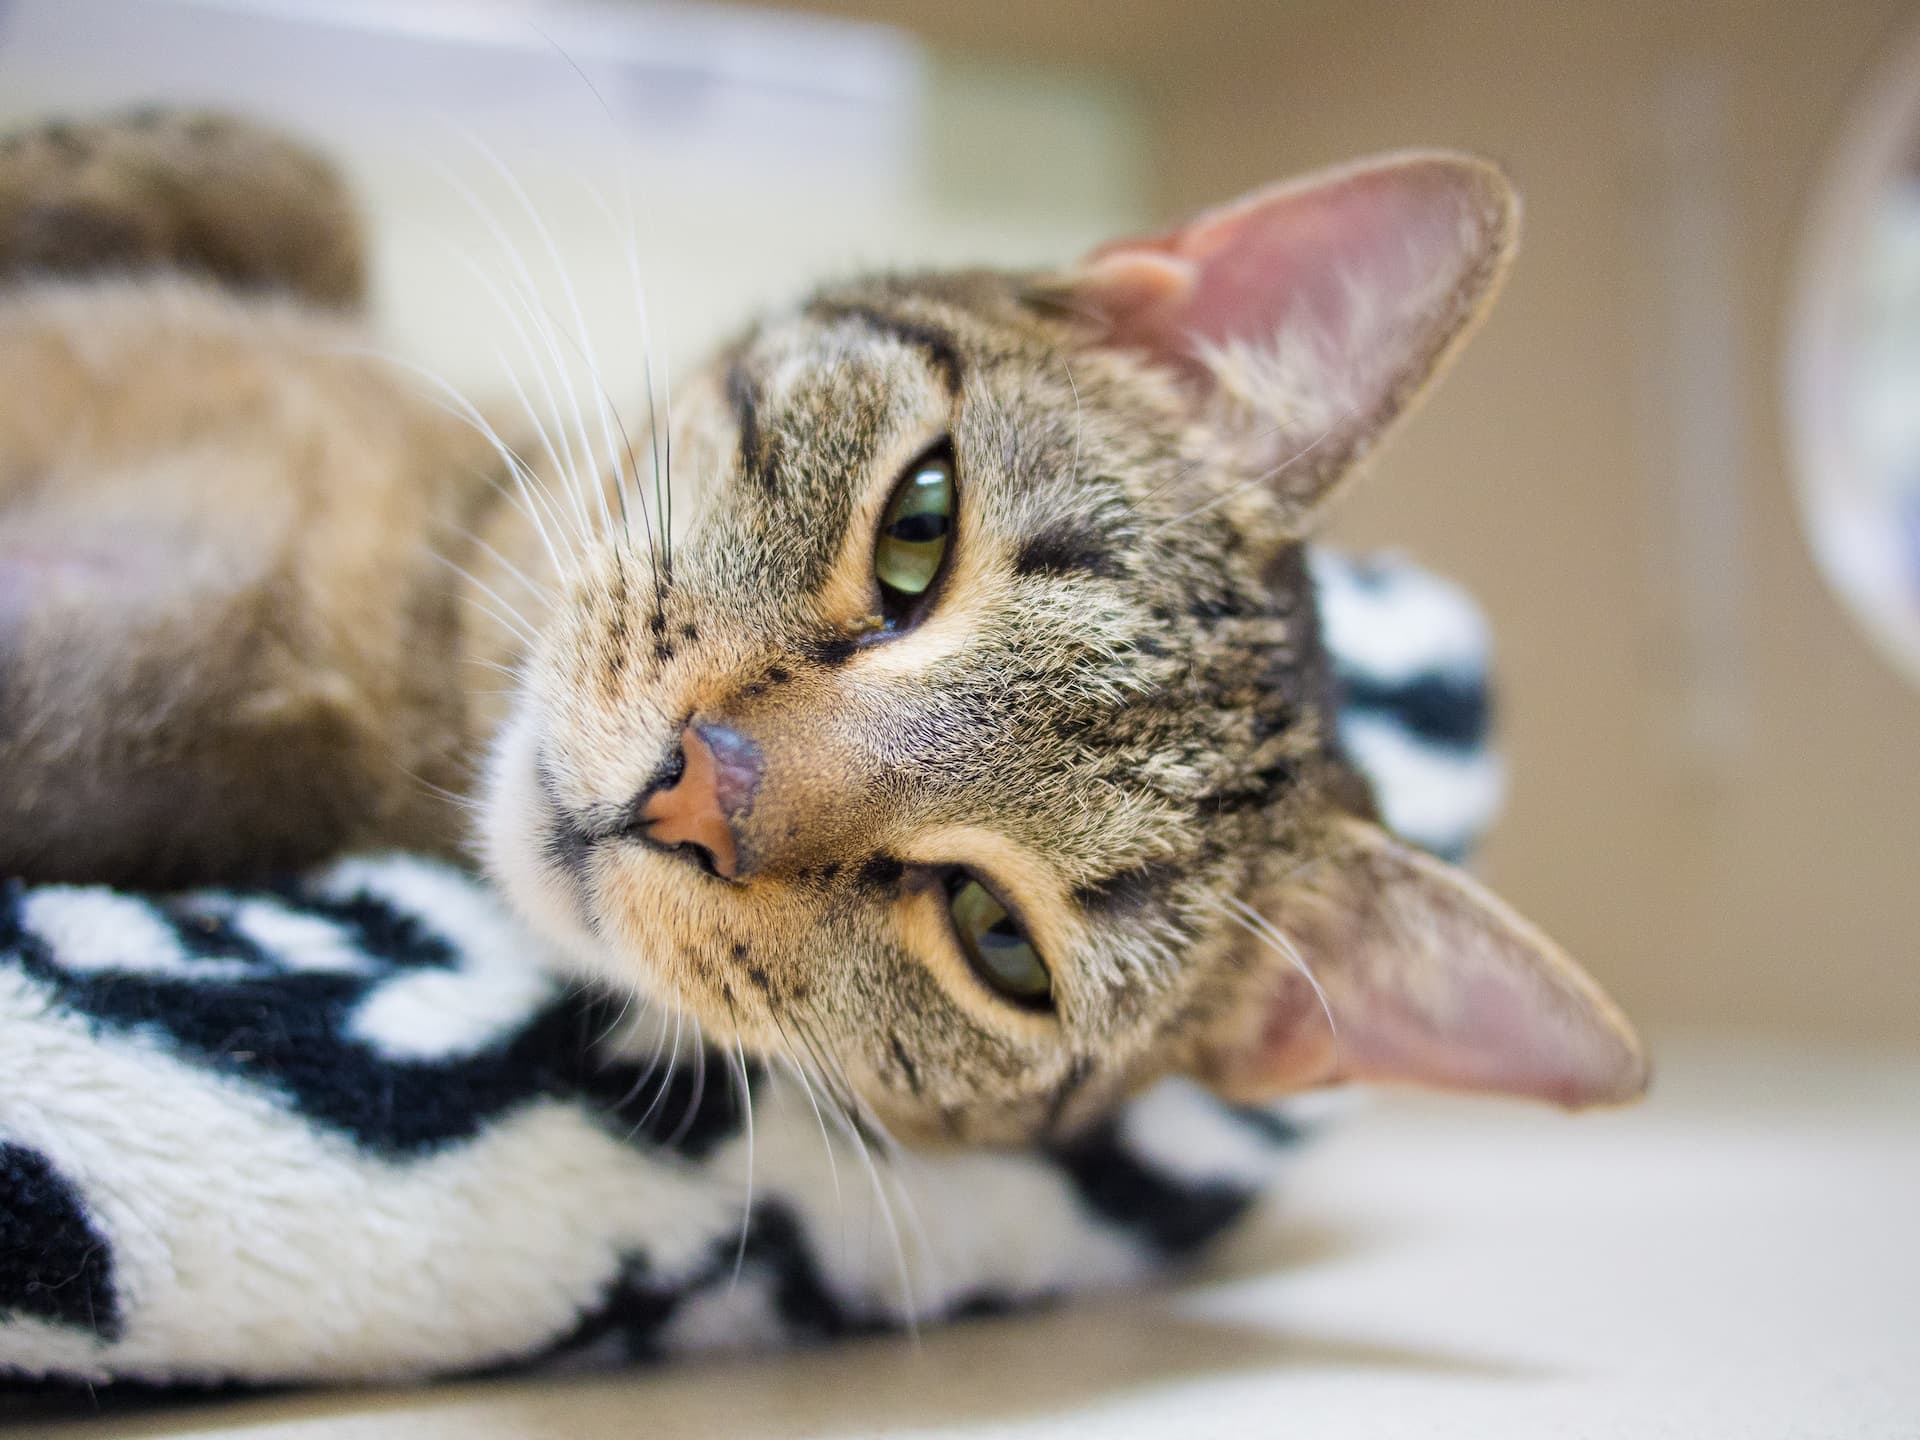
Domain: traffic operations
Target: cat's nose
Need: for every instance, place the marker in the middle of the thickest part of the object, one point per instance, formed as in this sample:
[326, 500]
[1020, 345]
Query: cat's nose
[693, 811]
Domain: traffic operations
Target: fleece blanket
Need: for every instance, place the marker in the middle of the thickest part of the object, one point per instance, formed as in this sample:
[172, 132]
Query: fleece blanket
[353, 1127]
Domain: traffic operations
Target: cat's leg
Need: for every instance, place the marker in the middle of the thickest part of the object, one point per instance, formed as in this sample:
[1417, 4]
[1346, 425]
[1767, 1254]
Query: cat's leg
[178, 190]
[228, 639]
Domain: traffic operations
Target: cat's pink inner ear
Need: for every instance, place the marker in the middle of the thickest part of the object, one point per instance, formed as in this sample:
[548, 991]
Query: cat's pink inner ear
[1427, 979]
[1133, 289]
[1325, 302]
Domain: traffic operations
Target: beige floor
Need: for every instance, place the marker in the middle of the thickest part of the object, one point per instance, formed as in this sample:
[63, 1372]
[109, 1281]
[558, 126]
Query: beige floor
[1739, 1258]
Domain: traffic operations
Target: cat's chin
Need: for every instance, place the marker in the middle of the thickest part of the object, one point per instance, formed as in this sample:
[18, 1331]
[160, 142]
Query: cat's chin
[512, 817]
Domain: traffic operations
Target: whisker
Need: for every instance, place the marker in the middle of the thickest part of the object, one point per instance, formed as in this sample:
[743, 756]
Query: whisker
[1263, 478]
[541, 589]
[797, 1062]
[640, 1081]
[513, 619]
[666, 401]
[900, 1160]
[464, 802]
[664, 554]
[463, 408]
[1264, 929]
[898, 1246]
[629, 244]
[692, 1113]
[524, 302]
[529, 296]
[826, 1141]
[614, 1024]
[585, 337]
[658, 1048]
[666, 1076]
[505, 622]
[1073, 470]
[528, 503]
[620, 475]
[851, 1114]
[569, 469]
[746, 1206]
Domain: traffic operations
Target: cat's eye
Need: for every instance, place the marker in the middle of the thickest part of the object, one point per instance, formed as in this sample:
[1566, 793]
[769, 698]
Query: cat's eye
[915, 532]
[996, 946]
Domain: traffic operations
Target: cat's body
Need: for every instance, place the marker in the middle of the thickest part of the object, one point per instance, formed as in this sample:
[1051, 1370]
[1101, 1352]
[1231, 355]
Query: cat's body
[249, 580]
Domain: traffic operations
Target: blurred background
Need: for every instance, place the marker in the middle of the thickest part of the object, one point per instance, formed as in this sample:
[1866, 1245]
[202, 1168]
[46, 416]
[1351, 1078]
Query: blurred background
[1680, 467]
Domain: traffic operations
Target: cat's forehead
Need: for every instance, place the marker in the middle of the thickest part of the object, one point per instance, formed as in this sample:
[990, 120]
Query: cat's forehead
[847, 373]
[836, 385]
[875, 336]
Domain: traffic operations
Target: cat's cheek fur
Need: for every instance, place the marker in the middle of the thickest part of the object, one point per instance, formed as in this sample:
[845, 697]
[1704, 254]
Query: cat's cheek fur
[513, 815]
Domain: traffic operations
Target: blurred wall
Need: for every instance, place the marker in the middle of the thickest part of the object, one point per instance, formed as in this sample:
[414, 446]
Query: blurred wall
[1716, 797]
[760, 151]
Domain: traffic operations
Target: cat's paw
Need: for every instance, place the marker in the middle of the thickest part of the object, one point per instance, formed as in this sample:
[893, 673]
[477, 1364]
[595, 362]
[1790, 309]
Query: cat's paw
[178, 190]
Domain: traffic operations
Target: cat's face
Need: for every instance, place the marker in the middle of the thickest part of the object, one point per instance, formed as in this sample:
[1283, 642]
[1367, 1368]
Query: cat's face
[985, 684]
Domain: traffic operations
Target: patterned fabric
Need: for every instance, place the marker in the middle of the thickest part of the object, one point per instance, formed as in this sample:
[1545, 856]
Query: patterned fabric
[353, 1128]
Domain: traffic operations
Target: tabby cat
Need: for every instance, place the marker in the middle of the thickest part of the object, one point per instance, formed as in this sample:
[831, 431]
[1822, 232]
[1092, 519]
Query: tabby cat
[973, 741]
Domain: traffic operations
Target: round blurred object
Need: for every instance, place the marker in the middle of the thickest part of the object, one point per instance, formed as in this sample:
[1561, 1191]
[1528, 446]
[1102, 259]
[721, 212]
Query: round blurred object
[1853, 364]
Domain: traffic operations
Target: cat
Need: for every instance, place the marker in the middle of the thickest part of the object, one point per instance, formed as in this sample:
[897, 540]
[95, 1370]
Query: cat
[972, 744]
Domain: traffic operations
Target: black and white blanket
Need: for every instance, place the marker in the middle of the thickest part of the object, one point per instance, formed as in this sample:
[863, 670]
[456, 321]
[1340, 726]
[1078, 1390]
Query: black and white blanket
[352, 1127]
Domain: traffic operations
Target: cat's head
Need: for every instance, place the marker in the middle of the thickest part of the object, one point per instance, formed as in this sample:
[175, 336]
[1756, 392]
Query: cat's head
[975, 743]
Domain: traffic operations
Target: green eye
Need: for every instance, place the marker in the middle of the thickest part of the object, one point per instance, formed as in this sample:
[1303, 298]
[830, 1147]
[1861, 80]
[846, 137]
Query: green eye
[915, 531]
[997, 948]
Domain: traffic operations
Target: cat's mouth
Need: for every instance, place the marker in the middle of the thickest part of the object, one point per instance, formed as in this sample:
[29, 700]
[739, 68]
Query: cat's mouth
[569, 845]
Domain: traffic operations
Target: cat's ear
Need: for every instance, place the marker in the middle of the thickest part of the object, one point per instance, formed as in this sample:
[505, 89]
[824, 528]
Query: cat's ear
[1309, 315]
[1423, 978]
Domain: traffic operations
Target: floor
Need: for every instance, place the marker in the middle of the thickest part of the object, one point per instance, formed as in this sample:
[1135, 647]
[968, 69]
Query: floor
[1739, 1257]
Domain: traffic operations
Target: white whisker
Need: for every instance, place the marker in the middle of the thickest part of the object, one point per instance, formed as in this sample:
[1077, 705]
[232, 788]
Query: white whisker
[1073, 470]
[504, 622]
[542, 590]
[907, 1295]
[1265, 477]
[565, 469]
[692, 1113]
[746, 1205]
[512, 672]
[629, 243]
[657, 437]
[529, 295]
[806, 1087]
[463, 408]
[1264, 929]
[522, 627]
[465, 803]
[583, 336]
[666, 1076]
[614, 1024]
[659, 553]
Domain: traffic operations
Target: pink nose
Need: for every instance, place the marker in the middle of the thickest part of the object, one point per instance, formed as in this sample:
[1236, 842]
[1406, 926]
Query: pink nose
[719, 772]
